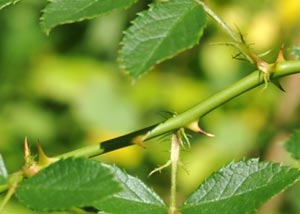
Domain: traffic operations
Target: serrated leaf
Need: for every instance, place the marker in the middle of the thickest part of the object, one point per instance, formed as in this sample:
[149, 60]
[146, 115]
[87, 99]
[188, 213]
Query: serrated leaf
[292, 145]
[59, 12]
[240, 187]
[161, 32]
[68, 183]
[135, 198]
[4, 3]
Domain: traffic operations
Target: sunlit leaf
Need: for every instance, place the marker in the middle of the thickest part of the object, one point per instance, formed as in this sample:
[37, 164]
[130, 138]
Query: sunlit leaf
[240, 187]
[68, 183]
[161, 32]
[292, 145]
[4, 3]
[59, 12]
[136, 197]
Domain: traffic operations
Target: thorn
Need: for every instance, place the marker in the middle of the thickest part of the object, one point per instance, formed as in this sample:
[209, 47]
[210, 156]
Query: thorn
[29, 168]
[139, 140]
[27, 153]
[278, 84]
[194, 126]
[44, 160]
[280, 57]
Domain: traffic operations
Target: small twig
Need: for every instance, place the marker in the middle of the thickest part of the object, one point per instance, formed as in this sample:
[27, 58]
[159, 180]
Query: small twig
[175, 152]
[224, 26]
[173, 162]
[239, 41]
[14, 180]
[159, 169]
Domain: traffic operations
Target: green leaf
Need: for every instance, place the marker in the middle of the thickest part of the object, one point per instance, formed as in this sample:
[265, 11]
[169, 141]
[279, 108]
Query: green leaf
[3, 171]
[161, 32]
[4, 3]
[59, 12]
[68, 183]
[135, 198]
[292, 145]
[240, 187]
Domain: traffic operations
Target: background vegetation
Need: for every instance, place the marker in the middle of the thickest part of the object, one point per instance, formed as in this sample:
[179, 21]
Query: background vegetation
[65, 90]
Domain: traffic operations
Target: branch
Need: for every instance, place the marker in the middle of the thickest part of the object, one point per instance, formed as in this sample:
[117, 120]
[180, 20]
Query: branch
[249, 82]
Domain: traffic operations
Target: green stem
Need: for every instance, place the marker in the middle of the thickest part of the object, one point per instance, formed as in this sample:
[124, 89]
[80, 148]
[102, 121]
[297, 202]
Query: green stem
[175, 153]
[251, 81]
[14, 180]
[109, 145]
[87, 151]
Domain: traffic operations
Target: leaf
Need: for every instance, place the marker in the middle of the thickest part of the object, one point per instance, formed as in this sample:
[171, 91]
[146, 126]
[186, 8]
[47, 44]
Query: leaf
[59, 12]
[161, 32]
[135, 198]
[68, 183]
[4, 3]
[240, 188]
[3, 171]
[292, 145]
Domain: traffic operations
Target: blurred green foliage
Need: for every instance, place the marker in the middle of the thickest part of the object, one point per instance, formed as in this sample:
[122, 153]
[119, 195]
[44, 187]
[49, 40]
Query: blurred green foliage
[65, 90]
